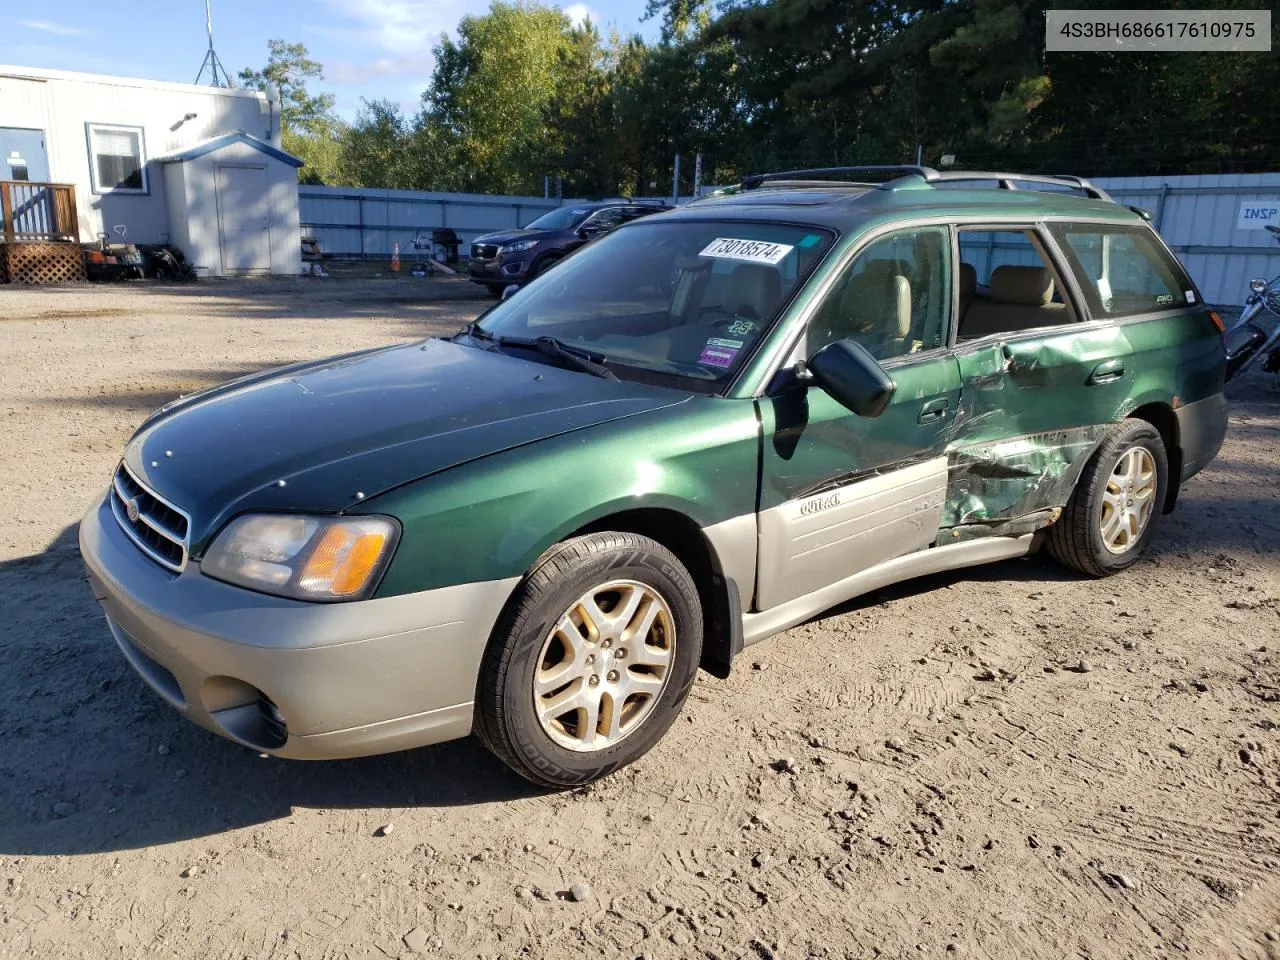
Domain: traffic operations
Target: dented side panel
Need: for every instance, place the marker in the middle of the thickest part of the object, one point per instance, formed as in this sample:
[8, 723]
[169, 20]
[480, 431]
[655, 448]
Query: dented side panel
[1015, 486]
[1032, 410]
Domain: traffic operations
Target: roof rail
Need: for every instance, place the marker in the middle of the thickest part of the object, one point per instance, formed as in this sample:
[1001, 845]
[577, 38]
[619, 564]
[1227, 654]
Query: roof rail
[902, 170]
[1009, 181]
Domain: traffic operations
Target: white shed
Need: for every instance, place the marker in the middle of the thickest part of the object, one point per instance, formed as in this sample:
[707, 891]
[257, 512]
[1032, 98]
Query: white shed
[233, 205]
[199, 166]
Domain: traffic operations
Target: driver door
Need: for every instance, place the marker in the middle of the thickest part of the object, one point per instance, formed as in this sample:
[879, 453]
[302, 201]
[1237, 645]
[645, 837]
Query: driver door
[841, 493]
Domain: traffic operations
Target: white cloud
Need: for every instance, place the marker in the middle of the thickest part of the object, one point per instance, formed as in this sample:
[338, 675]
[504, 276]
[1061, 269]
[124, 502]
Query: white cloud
[347, 71]
[403, 27]
[579, 13]
[48, 26]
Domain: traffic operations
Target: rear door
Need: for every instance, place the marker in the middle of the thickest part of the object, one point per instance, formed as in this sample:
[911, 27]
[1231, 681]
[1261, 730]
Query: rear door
[841, 493]
[1040, 384]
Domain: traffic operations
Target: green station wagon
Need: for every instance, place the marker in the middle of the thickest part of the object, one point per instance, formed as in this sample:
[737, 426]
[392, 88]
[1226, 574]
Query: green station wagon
[701, 430]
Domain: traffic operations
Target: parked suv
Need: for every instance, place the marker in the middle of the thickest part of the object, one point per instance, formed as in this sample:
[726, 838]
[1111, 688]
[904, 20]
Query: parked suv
[699, 431]
[499, 260]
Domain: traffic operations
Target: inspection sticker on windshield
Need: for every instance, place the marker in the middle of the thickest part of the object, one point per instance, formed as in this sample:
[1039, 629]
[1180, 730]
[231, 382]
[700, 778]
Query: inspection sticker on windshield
[719, 353]
[749, 251]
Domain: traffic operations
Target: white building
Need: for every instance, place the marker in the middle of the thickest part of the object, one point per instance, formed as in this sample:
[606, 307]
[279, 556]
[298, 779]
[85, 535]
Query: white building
[200, 167]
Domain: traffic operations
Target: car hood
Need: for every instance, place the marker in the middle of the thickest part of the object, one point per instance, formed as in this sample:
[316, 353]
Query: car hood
[320, 437]
[512, 236]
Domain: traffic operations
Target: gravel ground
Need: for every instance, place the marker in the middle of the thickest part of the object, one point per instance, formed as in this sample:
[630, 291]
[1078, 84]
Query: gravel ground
[1006, 762]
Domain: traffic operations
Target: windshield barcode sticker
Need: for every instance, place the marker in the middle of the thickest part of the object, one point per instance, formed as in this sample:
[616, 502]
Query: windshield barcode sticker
[749, 251]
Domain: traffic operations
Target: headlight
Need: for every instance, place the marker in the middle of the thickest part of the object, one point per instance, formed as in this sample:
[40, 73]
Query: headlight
[520, 247]
[1258, 286]
[306, 558]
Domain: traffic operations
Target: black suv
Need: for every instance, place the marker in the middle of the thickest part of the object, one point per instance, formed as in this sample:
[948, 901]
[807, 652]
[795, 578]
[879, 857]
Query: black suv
[517, 256]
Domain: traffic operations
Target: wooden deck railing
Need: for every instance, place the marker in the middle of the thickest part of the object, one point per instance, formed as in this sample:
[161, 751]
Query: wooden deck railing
[38, 212]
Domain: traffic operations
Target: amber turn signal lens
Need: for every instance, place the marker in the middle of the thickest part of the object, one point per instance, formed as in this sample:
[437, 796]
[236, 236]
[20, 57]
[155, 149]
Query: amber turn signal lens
[1217, 321]
[342, 562]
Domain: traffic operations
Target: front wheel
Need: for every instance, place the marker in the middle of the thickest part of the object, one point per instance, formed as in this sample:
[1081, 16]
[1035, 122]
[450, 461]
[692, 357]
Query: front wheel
[591, 661]
[1117, 502]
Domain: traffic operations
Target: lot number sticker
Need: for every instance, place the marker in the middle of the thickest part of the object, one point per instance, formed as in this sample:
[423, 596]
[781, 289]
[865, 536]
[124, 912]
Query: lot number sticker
[748, 251]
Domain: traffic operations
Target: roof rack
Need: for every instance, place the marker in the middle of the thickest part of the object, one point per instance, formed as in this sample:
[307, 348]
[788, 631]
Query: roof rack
[1009, 181]
[1006, 181]
[759, 179]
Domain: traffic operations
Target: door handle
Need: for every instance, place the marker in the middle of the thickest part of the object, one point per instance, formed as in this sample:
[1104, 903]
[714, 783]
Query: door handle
[933, 410]
[1109, 371]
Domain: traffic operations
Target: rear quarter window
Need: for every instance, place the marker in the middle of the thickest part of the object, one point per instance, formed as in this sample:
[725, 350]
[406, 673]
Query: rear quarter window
[1124, 270]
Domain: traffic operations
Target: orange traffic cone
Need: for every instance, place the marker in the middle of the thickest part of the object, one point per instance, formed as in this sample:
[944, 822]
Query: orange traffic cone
[395, 257]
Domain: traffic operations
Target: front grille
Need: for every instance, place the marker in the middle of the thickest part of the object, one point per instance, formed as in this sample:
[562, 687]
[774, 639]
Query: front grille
[484, 251]
[160, 529]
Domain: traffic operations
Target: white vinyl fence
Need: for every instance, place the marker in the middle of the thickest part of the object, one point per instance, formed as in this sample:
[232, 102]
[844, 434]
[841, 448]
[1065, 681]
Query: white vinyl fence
[1213, 222]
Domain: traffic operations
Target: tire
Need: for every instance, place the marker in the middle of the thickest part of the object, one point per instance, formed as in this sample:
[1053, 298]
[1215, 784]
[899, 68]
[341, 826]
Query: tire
[540, 267]
[1077, 539]
[494, 290]
[530, 641]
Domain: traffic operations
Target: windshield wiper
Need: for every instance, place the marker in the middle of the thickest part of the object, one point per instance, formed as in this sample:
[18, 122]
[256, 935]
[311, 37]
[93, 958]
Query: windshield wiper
[476, 332]
[575, 357]
[550, 347]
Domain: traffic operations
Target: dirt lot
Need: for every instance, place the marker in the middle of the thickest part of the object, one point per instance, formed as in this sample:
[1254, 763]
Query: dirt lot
[857, 789]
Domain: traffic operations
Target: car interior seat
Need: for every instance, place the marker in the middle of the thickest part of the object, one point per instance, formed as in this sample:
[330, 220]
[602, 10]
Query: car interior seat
[754, 291]
[874, 309]
[1021, 298]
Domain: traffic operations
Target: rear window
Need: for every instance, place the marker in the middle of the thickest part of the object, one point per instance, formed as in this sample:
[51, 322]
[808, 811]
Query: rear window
[1124, 270]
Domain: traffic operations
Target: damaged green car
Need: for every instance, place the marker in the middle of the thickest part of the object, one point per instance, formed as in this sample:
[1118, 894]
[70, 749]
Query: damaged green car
[701, 430]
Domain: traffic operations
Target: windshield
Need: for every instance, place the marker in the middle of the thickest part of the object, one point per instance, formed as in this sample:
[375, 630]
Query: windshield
[683, 298]
[561, 219]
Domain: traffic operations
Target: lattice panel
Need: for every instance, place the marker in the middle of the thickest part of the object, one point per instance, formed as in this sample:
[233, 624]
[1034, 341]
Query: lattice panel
[41, 262]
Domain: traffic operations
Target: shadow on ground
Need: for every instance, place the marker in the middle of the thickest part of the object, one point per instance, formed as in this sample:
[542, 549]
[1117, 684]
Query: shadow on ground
[83, 731]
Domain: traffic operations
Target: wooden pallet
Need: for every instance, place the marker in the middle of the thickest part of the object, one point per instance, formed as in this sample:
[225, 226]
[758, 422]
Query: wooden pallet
[41, 263]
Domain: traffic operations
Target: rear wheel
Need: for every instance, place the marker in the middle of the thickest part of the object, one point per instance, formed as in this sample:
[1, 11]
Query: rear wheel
[591, 661]
[1116, 504]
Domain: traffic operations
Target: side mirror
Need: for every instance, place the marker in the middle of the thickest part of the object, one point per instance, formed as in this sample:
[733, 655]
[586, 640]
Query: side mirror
[589, 230]
[509, 290]
[852, 377]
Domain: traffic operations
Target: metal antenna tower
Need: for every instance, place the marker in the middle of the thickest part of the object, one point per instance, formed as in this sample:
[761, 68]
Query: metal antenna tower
[211, 61]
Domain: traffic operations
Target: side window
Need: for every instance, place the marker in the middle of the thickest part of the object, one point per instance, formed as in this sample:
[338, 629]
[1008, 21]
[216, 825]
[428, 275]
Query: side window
[1007, 285]
[894, 299]
[605, 220]
[1124, 270]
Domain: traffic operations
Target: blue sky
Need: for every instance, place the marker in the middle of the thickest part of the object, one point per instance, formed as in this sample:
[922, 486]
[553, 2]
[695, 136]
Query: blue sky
[369, 48]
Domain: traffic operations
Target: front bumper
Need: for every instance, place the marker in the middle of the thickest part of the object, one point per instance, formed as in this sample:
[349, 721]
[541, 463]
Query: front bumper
[499, 271]
[299, 680]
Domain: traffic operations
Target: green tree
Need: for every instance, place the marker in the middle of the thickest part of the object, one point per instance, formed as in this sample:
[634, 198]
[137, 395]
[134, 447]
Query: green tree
[376, 148]
[309, 129]
[484, 110]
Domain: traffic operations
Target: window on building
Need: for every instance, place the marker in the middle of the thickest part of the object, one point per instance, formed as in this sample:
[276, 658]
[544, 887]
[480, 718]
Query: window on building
[116, 159]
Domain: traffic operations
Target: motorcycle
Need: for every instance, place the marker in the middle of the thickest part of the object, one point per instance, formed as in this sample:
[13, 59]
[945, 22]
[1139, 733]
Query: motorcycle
[1250, 337]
